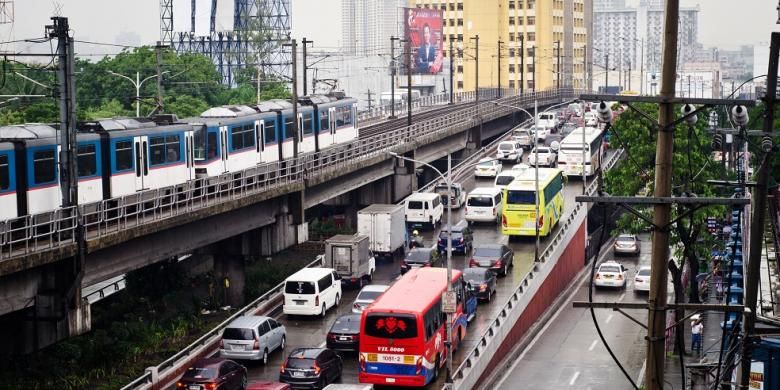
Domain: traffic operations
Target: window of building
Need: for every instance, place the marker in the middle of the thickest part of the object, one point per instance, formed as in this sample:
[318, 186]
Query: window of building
[511, 37]
[460, 84]
[460, 22]
[511, 68]
[511, 20]
[532, 36]
[460, 6]
[460, 68]
[530, 20]
[511, 83]
[511, 53]
[511, 4]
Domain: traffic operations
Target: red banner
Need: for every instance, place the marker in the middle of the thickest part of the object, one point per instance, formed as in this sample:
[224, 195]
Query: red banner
[423, 29]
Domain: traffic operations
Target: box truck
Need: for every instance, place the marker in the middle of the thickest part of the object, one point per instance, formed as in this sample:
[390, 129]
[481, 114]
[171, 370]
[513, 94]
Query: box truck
[385, 227]
[351, 258]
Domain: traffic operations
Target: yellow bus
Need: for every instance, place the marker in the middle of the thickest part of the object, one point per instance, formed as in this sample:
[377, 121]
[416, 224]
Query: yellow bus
[518, 216]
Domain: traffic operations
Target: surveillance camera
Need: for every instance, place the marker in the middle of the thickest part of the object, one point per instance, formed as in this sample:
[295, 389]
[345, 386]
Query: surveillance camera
[739, 116]
[688, 109]
[604, 112]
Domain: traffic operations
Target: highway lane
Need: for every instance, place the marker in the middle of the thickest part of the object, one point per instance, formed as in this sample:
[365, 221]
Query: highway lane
[311, 332]
[568, 352]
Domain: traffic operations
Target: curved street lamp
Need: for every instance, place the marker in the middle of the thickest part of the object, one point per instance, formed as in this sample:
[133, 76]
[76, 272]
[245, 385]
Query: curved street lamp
[137, 84]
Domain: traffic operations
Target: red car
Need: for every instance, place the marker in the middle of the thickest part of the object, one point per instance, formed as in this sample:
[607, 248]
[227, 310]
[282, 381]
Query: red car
[265, 385]
[213, 374]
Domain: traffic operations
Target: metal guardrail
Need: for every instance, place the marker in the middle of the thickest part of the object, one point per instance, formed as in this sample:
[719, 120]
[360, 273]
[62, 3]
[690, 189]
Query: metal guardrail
[147, 378]
[490, 335]
[26, 235]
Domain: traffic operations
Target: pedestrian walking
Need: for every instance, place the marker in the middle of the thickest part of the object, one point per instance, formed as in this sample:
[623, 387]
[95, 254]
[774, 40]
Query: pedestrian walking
[696, 334]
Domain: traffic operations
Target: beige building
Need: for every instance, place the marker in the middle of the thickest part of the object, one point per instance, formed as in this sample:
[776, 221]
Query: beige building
[527, 37]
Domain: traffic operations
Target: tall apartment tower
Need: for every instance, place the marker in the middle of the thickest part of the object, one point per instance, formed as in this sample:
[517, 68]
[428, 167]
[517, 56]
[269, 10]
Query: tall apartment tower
[548, 30]
[367, 25]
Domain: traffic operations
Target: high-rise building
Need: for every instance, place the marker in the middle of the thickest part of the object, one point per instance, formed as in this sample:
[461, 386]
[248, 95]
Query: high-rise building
[632, 36]
[367, 25]
[533, 35]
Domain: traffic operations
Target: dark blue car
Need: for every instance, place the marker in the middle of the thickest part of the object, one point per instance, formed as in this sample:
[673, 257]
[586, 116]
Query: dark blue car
[462, 238]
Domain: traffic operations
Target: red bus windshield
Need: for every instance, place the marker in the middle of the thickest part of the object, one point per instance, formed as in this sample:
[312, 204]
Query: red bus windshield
[390, 326]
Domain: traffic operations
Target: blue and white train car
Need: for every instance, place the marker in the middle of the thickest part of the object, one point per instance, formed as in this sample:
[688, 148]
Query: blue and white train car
[335, 118]
[9, 202]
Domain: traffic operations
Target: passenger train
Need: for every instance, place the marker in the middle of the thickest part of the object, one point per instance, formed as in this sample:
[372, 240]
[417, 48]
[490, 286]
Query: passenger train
[122, 156]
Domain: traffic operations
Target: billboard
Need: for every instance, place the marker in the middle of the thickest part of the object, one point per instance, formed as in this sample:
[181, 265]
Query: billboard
[423, 30]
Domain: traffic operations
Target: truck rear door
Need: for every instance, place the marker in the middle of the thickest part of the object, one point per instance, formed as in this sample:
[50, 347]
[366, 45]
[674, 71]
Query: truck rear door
[342, 260]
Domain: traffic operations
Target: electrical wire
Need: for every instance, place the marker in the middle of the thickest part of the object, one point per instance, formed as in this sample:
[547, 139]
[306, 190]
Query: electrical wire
[590, 293]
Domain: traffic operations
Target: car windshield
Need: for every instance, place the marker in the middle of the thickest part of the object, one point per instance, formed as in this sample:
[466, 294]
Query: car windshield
[293, 287]
[391, 326]
[300, 363]
[444, 233]
[644, 272]
[521, 197]
[415, 205]
[418, 256]
[486, 164]
[609, 268]
[200, 373]
[625, 239]
[506, 146]
[346, 324]
[369, 295]
[541, 151]
[485, 201]
[237, 334]
[487, 252]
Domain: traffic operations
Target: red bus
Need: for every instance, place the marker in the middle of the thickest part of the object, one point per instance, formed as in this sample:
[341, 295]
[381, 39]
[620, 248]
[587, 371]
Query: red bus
[403, 332]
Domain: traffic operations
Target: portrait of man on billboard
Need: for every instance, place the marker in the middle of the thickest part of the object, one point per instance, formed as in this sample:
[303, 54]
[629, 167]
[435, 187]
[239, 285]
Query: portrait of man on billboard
[424, 30]
[426, 53]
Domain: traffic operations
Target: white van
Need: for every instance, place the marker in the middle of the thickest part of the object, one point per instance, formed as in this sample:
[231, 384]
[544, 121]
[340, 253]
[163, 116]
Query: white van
[483, 204]
[524, 137]
[509, 151]
[311, 291]
[505, 177]
[423, 208]
[546, 120]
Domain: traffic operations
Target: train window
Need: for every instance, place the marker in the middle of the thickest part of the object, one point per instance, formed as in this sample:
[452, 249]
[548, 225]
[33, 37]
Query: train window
[123, 155]
[347, 115]
[164, 150]
[4, 173]
[199, 141]
[211, 144]
[270, 132]
[242, 137]
[288, 128]
[324, 120]
[86, 163]
[308, 128]
[44, 166]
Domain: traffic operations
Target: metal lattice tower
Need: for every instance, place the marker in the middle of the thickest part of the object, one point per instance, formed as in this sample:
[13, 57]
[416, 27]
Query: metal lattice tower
[6, 11]
[259, 29]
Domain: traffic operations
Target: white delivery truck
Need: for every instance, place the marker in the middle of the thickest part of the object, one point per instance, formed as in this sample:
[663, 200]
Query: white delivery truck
[351, 258]
[385, 227]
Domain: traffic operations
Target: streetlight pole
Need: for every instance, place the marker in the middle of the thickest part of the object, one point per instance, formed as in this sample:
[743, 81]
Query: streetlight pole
[448, 180]
[137, 84]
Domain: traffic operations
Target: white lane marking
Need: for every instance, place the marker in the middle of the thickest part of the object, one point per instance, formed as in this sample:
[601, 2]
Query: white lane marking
[574, 378]
[608, 319]
[547, 325]
[621, 297]
[593, 345]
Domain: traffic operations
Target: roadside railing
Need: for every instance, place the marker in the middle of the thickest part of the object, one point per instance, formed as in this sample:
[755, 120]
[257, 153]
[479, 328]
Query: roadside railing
[28, 234]
[469, 370]
[162, 374]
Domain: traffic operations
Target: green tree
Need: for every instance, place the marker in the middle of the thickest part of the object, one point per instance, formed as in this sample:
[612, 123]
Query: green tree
[110, 109]
[186, 106]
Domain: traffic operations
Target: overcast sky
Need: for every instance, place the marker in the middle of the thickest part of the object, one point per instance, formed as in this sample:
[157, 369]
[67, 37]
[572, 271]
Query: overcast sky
[137, 22]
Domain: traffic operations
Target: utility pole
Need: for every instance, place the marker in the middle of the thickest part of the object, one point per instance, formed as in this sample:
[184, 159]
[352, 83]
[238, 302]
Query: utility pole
[558, 64]
[476, 62]
[629, 75]
[606, 74]
[296, 130]
[642, 69]
[392, 76]
[369, 99]
[584, 66]
[158, 50]
[498, 53]
[758, 211]
[533, 66]
[305, 67]
[656, 321]
[408, 55]
[452, 71]
[522, 64]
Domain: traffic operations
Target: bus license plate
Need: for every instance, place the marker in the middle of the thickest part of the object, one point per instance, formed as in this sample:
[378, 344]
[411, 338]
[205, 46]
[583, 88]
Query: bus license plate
[390, 380]
[391, 358]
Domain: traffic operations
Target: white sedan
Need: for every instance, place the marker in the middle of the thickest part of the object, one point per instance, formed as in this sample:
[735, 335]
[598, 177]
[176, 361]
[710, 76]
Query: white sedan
[488, 167]
[610, 274]
[590, 119]
[642, 279]
[546, 156]
[367, 296]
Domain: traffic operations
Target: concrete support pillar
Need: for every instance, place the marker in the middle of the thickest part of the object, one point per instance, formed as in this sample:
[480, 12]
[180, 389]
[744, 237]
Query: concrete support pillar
[230, 270]
[297, 211]
[474, 141]
[404, 180]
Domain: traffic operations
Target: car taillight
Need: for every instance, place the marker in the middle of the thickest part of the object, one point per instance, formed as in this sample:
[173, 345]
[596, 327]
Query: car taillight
[180, 385]
[494, 211]
[403, 263]
[427, 265]
[256, 345]
[541, 221]
[316, 369]
[482, 287]
[317, 300]
[472, 263]
[356, 306]
[598, 275]
[467, 209]
[211, 386]
[461, 240]
[418, 366]
[331, 336]
[503, 220]
[362, 362]
[281, 369]
[498, 263]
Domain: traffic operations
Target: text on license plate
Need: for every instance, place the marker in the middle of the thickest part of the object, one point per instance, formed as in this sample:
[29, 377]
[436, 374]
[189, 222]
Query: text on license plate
[194, 387]
[384, 358]
[297, 374]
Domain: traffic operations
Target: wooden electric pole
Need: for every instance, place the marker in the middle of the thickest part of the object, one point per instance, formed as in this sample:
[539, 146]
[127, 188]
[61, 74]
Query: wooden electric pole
[305, 68]
[656, 321]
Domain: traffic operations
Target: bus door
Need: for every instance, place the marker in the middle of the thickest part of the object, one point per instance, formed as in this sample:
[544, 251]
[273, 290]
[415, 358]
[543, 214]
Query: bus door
[140, 149]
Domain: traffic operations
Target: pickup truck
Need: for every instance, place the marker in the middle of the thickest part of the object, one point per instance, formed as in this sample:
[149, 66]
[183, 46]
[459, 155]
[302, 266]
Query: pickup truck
[547, 157]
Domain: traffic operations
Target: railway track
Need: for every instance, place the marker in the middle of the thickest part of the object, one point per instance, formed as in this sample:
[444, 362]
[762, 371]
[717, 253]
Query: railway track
[400, 120]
